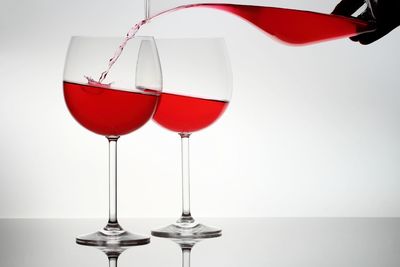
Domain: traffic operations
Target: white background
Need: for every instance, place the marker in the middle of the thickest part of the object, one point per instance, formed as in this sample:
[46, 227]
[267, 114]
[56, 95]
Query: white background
[310, 131]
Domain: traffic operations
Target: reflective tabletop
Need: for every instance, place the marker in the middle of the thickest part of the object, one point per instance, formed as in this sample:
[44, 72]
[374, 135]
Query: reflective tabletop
[252, 242]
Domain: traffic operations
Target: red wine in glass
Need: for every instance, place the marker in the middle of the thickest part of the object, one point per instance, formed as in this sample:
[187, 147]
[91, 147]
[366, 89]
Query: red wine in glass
[186, 114]
[194, 96]
[106, 111]
[123, 105]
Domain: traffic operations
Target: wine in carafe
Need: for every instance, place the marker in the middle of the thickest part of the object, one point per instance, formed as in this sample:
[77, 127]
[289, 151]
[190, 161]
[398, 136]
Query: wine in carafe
[292, 22]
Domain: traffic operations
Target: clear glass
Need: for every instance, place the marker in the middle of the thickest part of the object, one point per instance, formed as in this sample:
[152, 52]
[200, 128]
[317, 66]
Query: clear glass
[122, 103]
[197, 90]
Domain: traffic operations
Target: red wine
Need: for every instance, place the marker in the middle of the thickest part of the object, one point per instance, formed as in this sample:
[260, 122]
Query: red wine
[108, 111]
[291, 26]
[185, 114]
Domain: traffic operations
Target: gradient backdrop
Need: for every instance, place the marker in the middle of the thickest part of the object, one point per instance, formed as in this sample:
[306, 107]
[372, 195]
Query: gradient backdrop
[310, 131]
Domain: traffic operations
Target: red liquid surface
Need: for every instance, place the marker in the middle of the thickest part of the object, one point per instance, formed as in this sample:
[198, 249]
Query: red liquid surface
[108, 112]
[185, 114]
[296, 27]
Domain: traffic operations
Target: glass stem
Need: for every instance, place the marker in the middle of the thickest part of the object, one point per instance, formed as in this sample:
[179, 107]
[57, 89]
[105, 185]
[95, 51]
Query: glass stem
[112, 224]
[146, 9]
[186, 217]
[112, 261]
[186, 257]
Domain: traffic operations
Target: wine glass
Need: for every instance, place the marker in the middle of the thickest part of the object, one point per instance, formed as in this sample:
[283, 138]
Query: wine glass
[121, 104]
[197, 87]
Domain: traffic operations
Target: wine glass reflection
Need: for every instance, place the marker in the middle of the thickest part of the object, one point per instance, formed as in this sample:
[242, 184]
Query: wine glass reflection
[112, 252]
[186, 246]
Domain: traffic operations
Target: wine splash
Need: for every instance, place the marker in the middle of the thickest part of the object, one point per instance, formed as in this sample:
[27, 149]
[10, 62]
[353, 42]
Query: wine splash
[290, 26]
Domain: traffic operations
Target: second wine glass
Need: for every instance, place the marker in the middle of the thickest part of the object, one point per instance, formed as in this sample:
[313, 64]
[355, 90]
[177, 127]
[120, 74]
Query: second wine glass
[197, 87]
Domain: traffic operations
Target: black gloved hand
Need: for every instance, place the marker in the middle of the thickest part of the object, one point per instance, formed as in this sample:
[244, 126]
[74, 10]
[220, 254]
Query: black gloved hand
[386, 14]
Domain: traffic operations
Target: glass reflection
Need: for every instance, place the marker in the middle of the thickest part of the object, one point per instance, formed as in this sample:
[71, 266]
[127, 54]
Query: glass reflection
[186, 246]
[112, 252]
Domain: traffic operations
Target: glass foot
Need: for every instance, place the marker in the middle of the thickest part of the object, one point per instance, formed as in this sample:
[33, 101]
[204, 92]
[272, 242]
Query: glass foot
[105, 238]
[185, 231]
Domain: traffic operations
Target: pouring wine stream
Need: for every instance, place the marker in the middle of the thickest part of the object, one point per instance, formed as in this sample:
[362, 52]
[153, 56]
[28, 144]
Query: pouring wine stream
[290, 26]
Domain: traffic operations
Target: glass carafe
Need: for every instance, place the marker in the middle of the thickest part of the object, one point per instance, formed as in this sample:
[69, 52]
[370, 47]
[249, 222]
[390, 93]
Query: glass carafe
[299, 22]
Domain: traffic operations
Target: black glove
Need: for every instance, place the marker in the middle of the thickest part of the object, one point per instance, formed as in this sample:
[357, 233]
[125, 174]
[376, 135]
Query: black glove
[384, 12]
